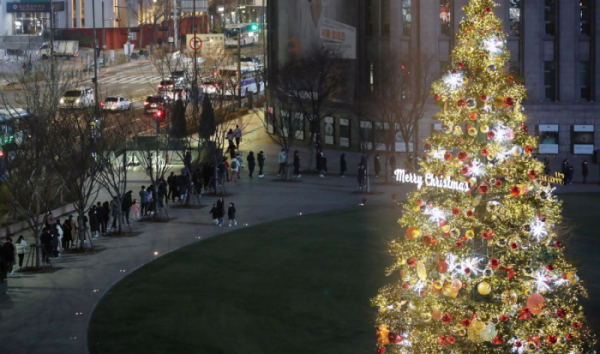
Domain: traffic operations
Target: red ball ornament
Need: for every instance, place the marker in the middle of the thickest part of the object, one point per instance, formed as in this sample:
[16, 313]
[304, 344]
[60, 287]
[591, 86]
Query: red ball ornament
[442, 266]
[491, 134]
[405, 286]
[532, 175]
[569, 336]
[488, 10]
[515, 191]
[518, 344]
[558, 244]
[442, 340]
[461, 103]
[509, 101]
[448, 156]
[524, 128]
[510, 79]
[514, 245]
[470, 212]
[451, 340]
[446, 318]
[462, 156]
[411, 262]
[466, 322]
[467, 270]
[461, 65]
[564, 276]
[381, 350]
[483, 97]
[483, 189]
[465, 170]
[561, 313]
[494, 263]
[485, 152]
[455, 211]
[458, 244]
[473, 116]
[498, 183]
[442, 223]
[549, 267]
[551, 339]
[437, 96]
[503, 318]
[393, 337]
[422, 293]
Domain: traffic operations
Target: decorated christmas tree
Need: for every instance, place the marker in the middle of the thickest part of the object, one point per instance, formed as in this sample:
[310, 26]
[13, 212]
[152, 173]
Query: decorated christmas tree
[482, 268]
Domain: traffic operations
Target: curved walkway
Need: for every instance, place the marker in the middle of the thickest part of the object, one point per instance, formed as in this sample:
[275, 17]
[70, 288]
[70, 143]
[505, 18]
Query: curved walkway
[49, 313]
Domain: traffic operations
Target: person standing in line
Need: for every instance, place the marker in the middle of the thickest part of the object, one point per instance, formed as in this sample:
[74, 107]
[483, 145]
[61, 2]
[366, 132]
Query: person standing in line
[93, 217]
[9, 253]
[237, 134]
[230, 137]
[101, 218]
[161, 193]
[49, 220]
[136, 210]
[54, 242]
[232, 152]
[73, 230]
[226, 168]
[282, 162]
[61, 234]
[215, 214]
[251, 163]
[261, 164]
[297, 165]
[220, 210]
[21, 249]
[361, 176]
[234, 169]
[231, 214]
[143, 201]
[106, 213]
[584, 171]
[343, 165]
[67, 235]
[172, 182]
[571, 174]
[114, 210]
[127, 203]
[377, 165]
[393, 163]
[46, 241]
[240, 165]
[82, 227]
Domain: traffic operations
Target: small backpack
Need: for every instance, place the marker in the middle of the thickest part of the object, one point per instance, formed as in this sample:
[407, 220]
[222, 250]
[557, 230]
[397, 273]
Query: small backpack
[234, 164]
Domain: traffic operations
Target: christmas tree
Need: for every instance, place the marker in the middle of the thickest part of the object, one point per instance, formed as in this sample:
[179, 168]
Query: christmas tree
[482, 269]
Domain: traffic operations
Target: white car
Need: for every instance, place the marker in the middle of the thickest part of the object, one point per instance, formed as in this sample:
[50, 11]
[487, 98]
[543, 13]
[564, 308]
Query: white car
[78, 98]
[116, 103]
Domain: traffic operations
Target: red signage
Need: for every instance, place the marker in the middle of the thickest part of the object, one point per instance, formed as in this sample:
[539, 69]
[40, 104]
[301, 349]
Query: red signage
[195, 43]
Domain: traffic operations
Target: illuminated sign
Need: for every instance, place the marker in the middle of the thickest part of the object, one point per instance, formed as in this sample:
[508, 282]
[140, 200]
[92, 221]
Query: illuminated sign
[34, 6]
[558, 178]
[430, 181]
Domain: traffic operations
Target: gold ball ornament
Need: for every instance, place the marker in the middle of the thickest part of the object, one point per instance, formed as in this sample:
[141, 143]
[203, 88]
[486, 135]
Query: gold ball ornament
[446, 228]
[484, 288]
[572, 277]
[470, 234]
[472, 131]
[484, 128]
[517, 151]
[454, 232]
[426, 316]
[499, 102]
[438, 284]
[457, 131]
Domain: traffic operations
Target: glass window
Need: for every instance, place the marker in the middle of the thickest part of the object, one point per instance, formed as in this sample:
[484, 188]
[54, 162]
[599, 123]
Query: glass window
[406, 17]
[515, 17]
[371, 77]
[385, 17]
[585, 81]
[550, 80]
[81, 7]
[344, 132]
[445, 17]
[585, 15]
[74, 13]
[369, 16]
[550, 17]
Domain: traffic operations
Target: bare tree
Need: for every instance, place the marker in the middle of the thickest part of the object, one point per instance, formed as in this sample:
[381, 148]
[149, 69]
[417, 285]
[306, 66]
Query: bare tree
[400, 99]
[311, 84]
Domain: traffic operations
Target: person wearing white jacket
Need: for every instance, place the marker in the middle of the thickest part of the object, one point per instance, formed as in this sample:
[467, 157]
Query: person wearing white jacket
[21, 248]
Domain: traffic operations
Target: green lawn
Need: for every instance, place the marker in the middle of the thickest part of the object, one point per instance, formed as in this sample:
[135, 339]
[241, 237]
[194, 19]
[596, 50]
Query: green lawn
[300, 285]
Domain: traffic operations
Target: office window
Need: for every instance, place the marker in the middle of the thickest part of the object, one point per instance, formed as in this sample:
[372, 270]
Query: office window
[585, 15]
[385, 17]
[74, 12]
[550, 80]
[81, 6]
[515, 17]
[550, 17]
[445, 17]
[585, 81]
[369, 17]
[406, 17]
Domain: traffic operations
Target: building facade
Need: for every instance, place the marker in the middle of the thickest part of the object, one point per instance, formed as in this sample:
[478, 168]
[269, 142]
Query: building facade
[554, 45]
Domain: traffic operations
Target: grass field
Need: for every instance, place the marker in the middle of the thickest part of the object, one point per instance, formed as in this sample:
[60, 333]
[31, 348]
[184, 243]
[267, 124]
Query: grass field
[295, 286]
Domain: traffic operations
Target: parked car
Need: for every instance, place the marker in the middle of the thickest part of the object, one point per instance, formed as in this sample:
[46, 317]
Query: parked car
[155, 103]
[181, 77]
[116, 103]
[166, 85]
[78, 98]
[176, 94]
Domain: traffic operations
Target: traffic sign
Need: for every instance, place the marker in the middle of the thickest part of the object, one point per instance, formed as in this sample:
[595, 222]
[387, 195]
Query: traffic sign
[196, 43]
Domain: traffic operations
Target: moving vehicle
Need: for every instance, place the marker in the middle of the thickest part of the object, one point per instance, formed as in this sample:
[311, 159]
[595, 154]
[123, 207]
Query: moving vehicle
[176, 94]
[155, 103]
[251, 81]
[181, 77]
[78, 98]
[12, 128]
[116, 103]
[246, 31]
[67, 49]
[166, 85]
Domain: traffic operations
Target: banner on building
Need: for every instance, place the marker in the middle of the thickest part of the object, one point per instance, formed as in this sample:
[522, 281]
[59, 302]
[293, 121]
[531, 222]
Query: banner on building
[35, 6]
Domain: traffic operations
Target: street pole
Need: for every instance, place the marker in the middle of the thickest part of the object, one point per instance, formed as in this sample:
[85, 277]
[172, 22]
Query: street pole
[51, 43]
[103, 35]
[95, 57]
[239, 48]
[175, 23]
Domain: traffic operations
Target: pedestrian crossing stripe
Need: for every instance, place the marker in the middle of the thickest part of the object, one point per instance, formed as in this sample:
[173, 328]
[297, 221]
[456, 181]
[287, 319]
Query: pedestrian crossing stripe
[130, 79]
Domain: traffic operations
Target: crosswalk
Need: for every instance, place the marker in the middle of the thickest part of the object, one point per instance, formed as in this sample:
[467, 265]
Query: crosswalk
[116, 80]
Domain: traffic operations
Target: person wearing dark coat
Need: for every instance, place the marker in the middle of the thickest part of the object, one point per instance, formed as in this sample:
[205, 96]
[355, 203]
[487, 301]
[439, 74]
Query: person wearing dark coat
[361, 176]
[106, 213]
[251, 162]
[46, 241]
[68, 234]
[172, 182]
[584, 171]
[297, 165]
[323, 164]
[93, 217]
[565, 170]
[55, 239]
[343, 166]
[571, 174]
[161, 193]
[215, 214]
[101, 219]
[220, 210]
[126, 204]
[231, 214]
[9, 254]
[196, 182]
[377, 165]
[261, 163]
